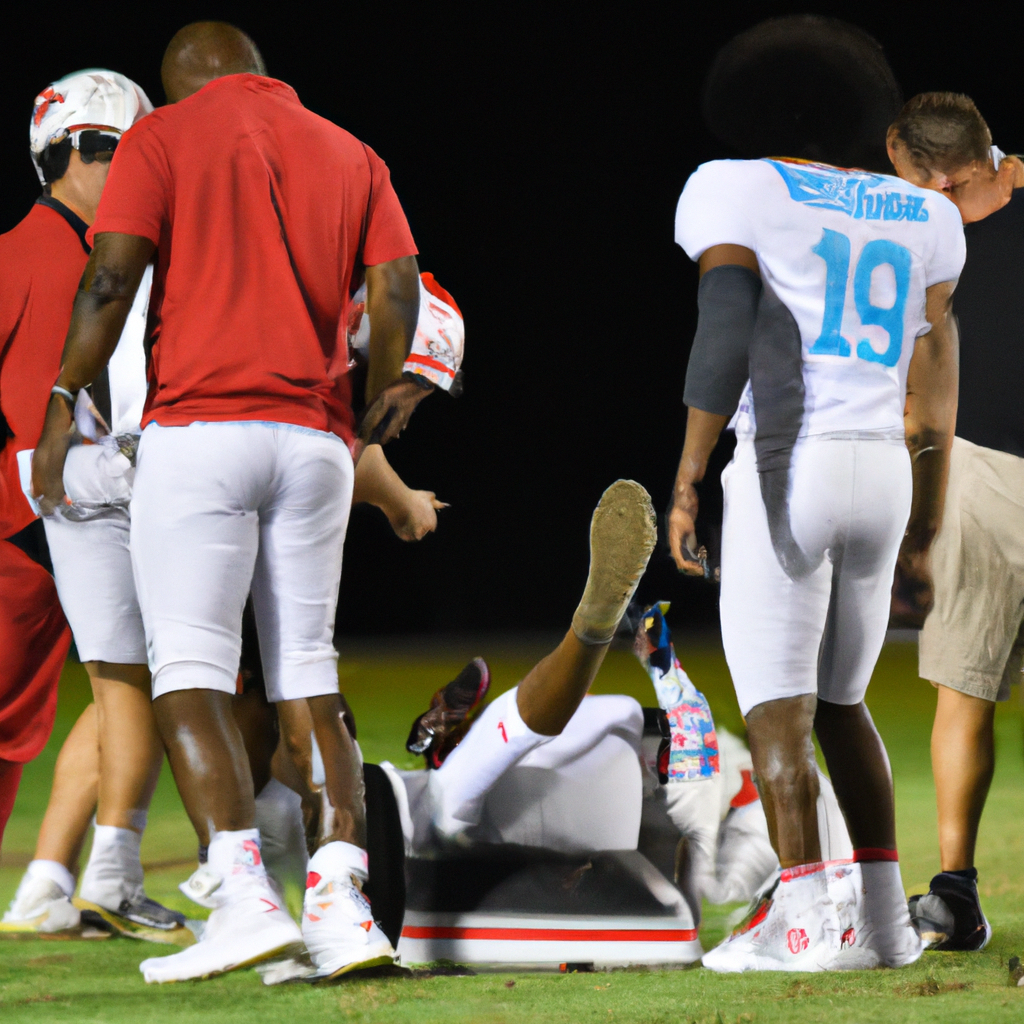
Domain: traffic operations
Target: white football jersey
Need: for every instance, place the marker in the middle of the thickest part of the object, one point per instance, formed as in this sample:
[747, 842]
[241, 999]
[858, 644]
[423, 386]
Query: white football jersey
[850, 254]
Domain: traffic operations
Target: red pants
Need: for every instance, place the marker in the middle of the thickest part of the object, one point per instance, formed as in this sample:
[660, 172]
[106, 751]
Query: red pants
[34, 641]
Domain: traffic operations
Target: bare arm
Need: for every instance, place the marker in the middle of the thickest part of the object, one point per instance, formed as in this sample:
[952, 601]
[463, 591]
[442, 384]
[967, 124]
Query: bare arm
[702, 432]
[929, 420]
[102, 304]
[412, 514]
[392, 304]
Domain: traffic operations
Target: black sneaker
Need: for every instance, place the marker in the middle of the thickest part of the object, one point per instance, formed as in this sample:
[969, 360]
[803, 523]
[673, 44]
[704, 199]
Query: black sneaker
[139, 918]
[949, 916]
[438, 731]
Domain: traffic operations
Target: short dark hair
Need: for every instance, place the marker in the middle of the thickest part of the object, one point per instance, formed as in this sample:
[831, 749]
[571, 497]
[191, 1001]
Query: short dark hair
[54, 160]
[942, 130]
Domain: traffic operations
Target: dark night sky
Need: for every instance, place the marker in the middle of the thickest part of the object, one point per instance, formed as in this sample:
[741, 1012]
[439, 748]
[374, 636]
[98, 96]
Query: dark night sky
[539, 152]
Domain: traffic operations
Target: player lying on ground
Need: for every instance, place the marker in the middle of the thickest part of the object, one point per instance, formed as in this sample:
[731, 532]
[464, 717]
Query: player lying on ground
[824, 317]
[972, 642]
[44, 906]
[244, 474]
[115, 751]
[702, 775]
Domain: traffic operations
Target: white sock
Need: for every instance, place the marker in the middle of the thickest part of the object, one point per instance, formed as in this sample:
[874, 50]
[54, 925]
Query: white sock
[114, 871]
[338, 860]
[885, 902]
[55, 872]
[236, 858]
[497, 740]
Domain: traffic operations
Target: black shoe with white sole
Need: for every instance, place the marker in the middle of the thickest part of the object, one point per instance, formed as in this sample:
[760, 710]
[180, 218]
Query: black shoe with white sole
[949, 915]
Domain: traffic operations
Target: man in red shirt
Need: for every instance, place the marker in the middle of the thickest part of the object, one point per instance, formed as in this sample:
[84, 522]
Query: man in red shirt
[74, 129]
[259, 213]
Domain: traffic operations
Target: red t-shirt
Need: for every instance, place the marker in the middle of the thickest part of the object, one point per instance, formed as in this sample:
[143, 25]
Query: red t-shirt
[256, 206]
[41, 263]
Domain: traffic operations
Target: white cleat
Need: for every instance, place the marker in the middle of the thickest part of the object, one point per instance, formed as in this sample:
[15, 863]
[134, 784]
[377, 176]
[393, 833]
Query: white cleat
[246, 929]
[866, 943]
[793, 927]
[338, 926]
[41, 907]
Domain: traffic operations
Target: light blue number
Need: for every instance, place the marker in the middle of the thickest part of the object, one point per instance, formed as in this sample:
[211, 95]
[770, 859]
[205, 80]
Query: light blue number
[877, 254]
[834, 249]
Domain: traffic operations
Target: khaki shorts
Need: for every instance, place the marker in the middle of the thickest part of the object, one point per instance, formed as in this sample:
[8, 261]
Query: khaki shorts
[972, 640]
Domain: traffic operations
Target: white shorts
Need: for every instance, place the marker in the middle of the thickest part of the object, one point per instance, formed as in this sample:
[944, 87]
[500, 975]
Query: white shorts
[92, 567]
[849, 502]
[222, 508]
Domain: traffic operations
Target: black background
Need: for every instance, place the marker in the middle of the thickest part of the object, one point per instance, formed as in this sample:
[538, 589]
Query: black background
[539, 151]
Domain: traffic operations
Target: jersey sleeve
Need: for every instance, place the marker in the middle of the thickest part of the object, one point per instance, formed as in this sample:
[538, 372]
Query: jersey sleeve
[712, 209]
[136, 197]
[388, 236]
[947, 258]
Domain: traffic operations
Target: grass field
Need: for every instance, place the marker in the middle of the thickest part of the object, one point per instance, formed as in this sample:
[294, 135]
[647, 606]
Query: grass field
[98, 981]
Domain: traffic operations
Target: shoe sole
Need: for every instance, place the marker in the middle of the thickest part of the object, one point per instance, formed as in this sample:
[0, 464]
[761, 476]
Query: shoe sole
[362, 965]
[179, 935]
[289, 949]
[623, 533]
[937, 941]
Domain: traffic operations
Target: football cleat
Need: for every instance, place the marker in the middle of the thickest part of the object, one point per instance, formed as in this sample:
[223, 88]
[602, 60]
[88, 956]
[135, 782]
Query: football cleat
[40, 907]
[874, 931]
[439, 730]
[248, 928]
[338, 926]
[949, 915]
[138, 918]
[623, 532]
[794, 926]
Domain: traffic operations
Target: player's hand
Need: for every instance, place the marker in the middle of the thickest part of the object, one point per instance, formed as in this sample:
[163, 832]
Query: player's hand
[682, 533]
[416, 516]
[50, 455]
[388, 415]
[913, 593]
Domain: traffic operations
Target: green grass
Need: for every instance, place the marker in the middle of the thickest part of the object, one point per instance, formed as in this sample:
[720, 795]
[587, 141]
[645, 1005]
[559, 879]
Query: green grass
[99, 980]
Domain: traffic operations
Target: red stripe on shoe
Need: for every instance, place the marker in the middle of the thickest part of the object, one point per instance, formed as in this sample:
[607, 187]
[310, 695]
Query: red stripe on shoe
[312, 880]
[553, 934]
[870, 853]
[802, 870]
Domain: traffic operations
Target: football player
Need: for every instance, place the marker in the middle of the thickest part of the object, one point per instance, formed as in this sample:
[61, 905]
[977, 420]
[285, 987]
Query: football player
[826, 340]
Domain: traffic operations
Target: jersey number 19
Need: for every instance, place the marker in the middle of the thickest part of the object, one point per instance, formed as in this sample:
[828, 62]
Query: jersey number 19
[834, 249]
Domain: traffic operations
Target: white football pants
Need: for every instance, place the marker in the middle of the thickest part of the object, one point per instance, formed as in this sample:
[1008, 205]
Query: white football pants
[848, 505]
[222, 508]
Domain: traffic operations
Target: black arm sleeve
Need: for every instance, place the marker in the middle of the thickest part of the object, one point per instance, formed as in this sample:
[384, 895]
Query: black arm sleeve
[718, 369]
